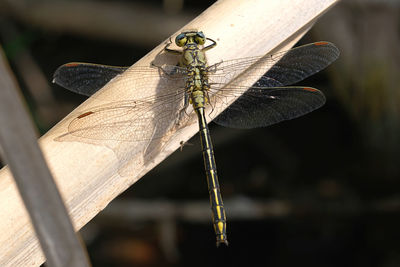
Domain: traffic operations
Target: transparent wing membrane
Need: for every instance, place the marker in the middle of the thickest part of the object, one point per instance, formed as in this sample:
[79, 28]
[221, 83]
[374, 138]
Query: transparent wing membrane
[129, 120]
[85, 78]
[260, 107]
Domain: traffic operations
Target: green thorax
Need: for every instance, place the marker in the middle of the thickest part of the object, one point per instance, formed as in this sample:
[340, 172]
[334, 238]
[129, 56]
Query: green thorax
[197, 84]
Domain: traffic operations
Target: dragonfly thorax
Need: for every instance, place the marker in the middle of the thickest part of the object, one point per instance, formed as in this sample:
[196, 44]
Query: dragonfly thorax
[194, 60]
[192, 56]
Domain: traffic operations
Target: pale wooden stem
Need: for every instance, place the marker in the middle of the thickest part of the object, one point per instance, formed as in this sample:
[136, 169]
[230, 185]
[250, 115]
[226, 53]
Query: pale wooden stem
[88, 175]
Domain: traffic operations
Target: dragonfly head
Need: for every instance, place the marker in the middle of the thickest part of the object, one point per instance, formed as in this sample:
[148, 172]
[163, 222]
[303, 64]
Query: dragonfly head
[190, 37]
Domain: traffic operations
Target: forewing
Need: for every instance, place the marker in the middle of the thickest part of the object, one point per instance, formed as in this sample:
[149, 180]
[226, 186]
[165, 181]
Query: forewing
[85, 78]
[280, 69]
[300, 63]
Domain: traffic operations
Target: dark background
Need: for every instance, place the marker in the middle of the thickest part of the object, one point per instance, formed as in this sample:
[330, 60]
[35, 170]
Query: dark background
[320, 190]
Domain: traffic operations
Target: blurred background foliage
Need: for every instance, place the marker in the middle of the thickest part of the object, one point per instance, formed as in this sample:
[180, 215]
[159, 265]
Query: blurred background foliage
[320, 190]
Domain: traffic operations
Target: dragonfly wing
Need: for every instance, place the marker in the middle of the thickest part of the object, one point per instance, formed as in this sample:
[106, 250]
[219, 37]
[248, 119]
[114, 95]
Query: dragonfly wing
[261, 107]
[85, 78]
[130, 121]
[300, 63]
[280, 69]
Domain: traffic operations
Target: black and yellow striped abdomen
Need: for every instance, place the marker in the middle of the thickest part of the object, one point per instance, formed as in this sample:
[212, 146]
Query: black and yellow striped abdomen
[217, 206]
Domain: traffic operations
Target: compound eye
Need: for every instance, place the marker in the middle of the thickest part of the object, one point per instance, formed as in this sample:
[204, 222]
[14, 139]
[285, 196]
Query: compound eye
[181, 40]
[200, 38]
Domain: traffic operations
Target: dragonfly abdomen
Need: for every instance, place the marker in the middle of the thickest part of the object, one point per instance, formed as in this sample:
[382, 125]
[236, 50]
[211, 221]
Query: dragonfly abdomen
[217, 205]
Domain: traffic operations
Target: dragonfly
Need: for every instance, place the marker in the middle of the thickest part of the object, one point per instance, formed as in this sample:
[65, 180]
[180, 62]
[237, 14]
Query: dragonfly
[194, 87]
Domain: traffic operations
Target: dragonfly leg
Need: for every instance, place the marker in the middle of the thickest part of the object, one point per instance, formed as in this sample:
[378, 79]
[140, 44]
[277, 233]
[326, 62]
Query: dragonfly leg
[183, 111]
[214, 43]
[172, 51]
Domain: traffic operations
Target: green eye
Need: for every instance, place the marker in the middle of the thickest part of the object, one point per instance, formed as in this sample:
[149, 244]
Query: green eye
[200, 38]
[180, 40]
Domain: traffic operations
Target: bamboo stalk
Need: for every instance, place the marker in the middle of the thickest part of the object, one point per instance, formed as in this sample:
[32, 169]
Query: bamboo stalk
[88, 175]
